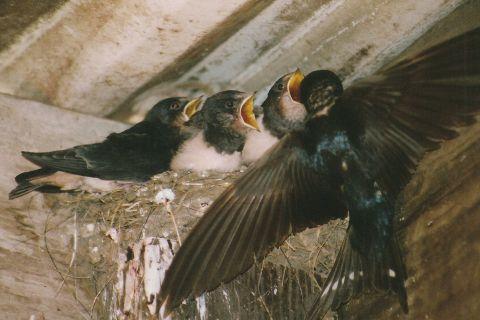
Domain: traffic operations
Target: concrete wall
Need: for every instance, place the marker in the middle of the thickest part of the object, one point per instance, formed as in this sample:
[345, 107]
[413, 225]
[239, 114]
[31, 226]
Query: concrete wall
[119, 56]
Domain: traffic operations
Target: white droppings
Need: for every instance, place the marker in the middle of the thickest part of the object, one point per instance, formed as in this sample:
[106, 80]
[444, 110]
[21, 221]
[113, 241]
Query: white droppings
[335, 285]
[132, 280]
[90, 227]
[202, 307]
[152, 274]
[391, 273]
[351, 276]
[275, 291]
[157, 258]
[94, 249]
[361, 273]
[120, 284]
[164, 196]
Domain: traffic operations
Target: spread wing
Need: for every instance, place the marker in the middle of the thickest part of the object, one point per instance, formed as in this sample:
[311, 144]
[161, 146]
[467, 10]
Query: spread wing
[392, 120]
[396, 116]
[276, 197]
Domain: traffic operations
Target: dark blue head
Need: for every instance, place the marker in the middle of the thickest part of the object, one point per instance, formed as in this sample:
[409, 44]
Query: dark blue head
[319, 90]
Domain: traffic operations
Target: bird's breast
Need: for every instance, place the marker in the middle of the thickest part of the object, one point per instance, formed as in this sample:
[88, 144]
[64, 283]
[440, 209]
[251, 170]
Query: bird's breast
[257, 143]
[197, 155]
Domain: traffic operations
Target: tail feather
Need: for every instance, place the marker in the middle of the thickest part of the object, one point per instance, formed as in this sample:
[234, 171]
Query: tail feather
[34, 174]
[27, 187]
[22, 189]
[354, 272]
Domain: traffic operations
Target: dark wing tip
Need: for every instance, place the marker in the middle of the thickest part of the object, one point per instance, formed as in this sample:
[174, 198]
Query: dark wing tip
[353, 273]
[21, 190]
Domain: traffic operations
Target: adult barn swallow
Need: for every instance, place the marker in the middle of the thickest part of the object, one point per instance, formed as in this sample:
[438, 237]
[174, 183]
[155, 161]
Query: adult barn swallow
[282, 113]
[226, 118]
[354, 156]
[135, 154]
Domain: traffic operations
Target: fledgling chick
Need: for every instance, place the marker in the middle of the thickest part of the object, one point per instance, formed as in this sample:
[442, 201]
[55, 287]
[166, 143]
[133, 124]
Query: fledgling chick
[282, 113]
[135, 154]
[226, 118]
[354, 156]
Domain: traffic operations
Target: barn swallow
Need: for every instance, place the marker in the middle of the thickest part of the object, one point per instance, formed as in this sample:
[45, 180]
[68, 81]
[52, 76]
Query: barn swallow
[135, 154]
[354, 156]
[226, 118]
[282, 112]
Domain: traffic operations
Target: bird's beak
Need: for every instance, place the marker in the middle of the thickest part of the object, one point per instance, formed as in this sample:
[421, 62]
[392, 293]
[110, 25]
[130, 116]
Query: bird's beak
[294, 85]
[247, 115]
[192, 107]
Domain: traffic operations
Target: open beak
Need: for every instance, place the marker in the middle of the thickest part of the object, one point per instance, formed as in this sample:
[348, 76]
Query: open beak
[247, 115]
[294, 85]
[192, 107]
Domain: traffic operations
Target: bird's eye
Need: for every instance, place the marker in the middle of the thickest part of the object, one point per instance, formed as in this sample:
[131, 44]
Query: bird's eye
[229, 104]
[280, 86]
[174, 106]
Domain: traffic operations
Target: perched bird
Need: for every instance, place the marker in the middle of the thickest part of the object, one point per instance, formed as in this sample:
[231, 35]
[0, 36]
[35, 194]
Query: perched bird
[354, 156]
[132, 155]
[282, 113]
[226, 118]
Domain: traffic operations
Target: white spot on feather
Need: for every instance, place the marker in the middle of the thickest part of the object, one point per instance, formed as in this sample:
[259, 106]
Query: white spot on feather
[257, 143]
[391, 273]
[195, 154]
[335, 285]
[326, 290]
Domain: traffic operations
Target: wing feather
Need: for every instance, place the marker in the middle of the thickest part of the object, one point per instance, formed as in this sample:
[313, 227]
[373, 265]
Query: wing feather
[274, 198]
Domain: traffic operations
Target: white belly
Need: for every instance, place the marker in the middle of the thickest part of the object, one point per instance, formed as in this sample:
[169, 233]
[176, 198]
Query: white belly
[257, 143]
[195, 154]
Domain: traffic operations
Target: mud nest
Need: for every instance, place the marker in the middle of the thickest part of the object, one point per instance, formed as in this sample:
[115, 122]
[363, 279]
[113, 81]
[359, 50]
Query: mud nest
[121, 244]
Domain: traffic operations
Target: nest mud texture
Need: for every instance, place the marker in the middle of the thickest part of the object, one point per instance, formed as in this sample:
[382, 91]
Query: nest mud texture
[122, 242]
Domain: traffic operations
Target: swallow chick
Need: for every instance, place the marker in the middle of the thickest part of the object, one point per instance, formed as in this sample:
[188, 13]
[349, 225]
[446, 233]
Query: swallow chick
[355, 154]
[226, 118]
[282, 113]
[135, 154]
